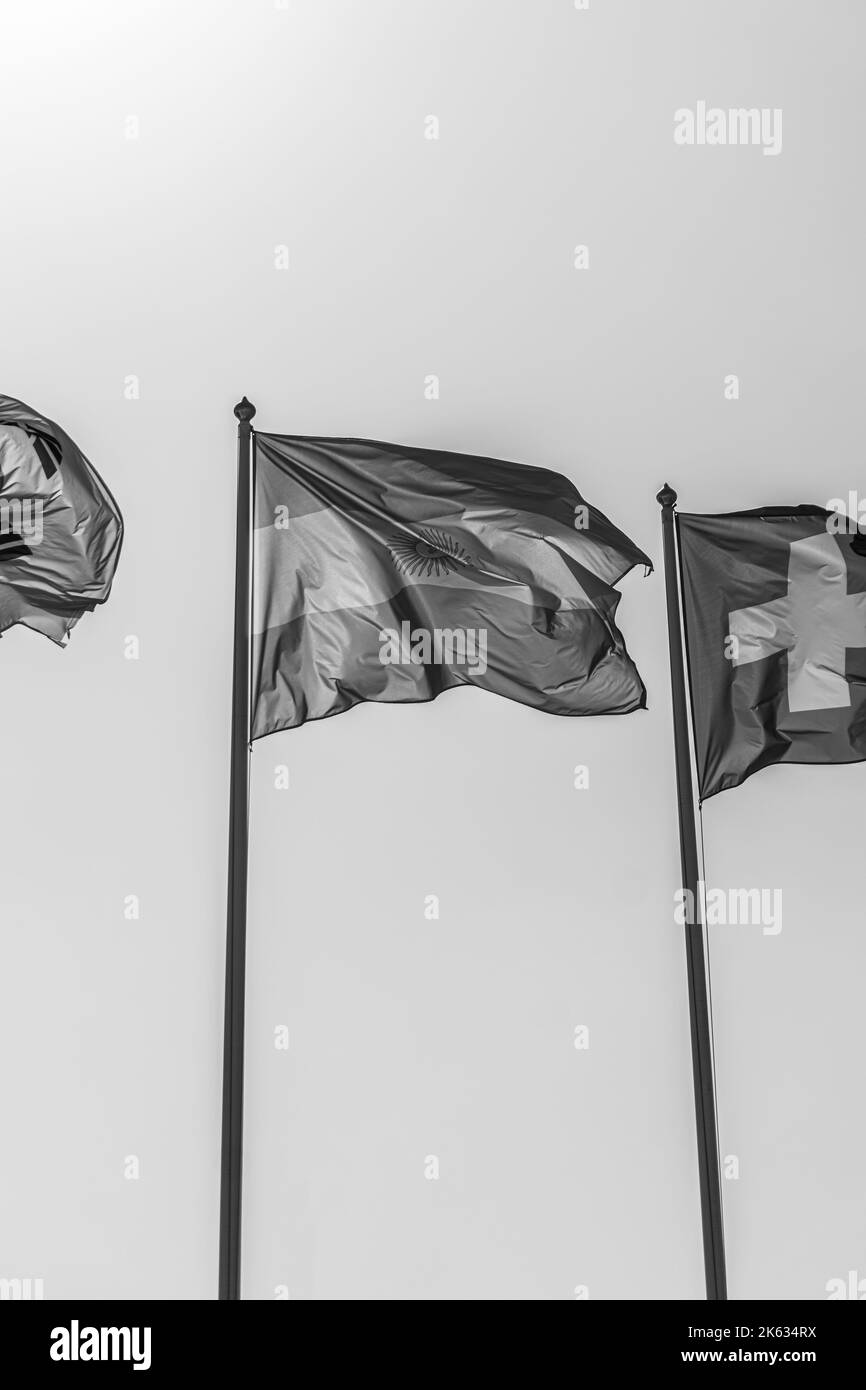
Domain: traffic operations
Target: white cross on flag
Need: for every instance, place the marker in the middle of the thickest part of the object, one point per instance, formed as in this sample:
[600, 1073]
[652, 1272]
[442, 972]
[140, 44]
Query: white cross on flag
[775, 617]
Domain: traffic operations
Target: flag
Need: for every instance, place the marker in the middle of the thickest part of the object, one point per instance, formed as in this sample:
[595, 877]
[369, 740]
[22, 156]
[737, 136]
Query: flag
[389, 573]
[60, 529]
[774, 603]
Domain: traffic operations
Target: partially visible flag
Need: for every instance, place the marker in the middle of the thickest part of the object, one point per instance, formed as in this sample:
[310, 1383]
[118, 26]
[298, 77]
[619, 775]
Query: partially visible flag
[389, 573]
[775, 618]
[60, 529]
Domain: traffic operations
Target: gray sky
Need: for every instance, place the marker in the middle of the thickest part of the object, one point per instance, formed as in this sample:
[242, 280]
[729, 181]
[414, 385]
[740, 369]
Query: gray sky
[156, 158]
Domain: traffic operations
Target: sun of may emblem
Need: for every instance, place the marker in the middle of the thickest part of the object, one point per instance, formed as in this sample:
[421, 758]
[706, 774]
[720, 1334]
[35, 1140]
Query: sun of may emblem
[428, 554]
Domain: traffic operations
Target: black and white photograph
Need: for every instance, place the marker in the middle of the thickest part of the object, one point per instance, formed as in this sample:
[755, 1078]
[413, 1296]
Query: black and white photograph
[433, 672]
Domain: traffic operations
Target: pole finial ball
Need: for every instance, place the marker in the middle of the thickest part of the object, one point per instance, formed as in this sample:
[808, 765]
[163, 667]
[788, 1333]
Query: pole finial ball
[245, 410]
[667, 497]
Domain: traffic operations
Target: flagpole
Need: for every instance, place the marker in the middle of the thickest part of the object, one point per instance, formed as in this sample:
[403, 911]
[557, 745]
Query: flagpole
[236, 921]
[709, 1166]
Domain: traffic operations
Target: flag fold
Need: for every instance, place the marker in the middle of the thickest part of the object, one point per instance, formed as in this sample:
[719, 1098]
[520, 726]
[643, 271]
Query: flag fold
[389, 573]
[60, 529]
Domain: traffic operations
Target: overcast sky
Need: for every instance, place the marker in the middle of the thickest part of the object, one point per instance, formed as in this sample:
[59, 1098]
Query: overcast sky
[161, 163]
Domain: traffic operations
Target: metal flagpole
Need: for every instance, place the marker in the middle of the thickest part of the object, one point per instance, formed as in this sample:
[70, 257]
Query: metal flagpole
[236, 923]
[709, 1168]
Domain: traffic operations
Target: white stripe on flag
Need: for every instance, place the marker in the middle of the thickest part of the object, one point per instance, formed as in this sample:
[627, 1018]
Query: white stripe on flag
[323, 561]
